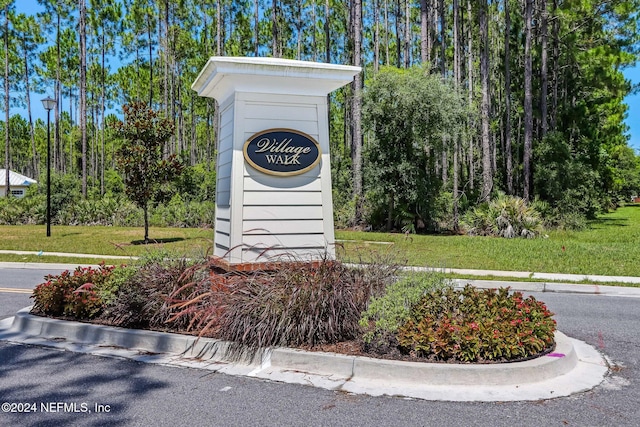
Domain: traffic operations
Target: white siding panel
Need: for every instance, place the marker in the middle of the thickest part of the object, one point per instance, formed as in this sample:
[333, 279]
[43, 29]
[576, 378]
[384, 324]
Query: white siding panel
[282, 212]
[276, 110]
[226, 131]
[282, 198]
[226, 117]
[222, 239]
[257, 181]
[282, 255]
[224, 183]
[258, 125]
[223, 198]
[224, 157]
[249, 171]
[223, 212]
[284, 241]
[262, 227]
[224, 170]
[223, 226]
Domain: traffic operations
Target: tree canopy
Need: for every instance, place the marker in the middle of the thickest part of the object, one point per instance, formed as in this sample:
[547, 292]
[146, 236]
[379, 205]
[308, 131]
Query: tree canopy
[538, 77]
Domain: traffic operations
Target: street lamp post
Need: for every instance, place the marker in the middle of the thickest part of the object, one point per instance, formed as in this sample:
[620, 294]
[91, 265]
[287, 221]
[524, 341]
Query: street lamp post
[48, 103]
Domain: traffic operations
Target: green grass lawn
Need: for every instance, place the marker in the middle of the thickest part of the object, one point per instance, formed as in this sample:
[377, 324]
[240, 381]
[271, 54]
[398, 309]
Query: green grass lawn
[610, 246]
[119, 241]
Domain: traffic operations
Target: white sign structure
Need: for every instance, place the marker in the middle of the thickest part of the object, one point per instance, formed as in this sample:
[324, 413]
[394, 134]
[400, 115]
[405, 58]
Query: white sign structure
[273, 188]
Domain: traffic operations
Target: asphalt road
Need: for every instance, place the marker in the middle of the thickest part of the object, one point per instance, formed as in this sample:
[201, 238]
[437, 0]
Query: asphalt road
[85, 390]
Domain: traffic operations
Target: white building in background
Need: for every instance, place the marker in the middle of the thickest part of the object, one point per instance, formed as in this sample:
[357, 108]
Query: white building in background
[18, 183]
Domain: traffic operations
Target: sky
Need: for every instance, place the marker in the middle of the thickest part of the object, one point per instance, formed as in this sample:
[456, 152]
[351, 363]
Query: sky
[633, 101]
[633, 114]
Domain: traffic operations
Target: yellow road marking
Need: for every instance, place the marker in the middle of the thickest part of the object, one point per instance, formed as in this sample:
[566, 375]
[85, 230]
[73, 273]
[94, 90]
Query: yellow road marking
[16, 290]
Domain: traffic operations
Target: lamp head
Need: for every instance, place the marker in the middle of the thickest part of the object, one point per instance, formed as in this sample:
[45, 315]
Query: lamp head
[49, 103]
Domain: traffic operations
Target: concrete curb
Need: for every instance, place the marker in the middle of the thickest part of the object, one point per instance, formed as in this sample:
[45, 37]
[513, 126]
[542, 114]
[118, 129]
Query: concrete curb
[66, 254]
[572, 367]
[563, 288]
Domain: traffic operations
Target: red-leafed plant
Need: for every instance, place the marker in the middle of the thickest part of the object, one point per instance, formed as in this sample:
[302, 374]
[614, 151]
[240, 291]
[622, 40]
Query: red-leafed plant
[71, 293]
[475, 325]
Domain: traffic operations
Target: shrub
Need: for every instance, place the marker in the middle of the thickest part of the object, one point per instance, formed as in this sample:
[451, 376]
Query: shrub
[140, 296]
[30, 209]
[71, 294]
[506, 216]
[297, 304]
[477, 325]
[388, 312]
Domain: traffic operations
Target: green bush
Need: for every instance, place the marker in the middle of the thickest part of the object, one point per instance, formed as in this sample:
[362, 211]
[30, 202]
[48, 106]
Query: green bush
[71, 294]
[181, 213]
[386, 313]
[505, 216]
[30, 209]
[477, 326]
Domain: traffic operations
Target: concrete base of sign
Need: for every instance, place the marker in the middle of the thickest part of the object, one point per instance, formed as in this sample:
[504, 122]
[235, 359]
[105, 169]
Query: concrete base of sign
[272, 113]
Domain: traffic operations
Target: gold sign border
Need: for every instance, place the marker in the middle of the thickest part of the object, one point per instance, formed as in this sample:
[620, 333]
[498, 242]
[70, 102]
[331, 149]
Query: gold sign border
[276, 173]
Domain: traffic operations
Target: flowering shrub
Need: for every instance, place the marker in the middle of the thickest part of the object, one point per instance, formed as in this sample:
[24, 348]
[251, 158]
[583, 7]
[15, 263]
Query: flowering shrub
[71, 294]
[475, 325]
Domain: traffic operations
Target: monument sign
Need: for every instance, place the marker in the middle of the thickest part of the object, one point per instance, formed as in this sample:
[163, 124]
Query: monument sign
[273, 177]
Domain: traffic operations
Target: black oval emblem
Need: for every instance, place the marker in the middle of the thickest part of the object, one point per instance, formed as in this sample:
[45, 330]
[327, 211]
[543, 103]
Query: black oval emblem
[282, 152]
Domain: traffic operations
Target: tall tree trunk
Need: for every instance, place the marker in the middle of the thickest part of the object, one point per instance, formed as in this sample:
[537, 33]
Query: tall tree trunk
[487, 175]
[327, 33]
[192, 137]
[7, 151]
[555, 29]
[219, 36]
[299, 32]
[83, 93]
[275, 42]
[386, 32]
[398, 36]
[507, 95]
[27, 87]
[443, 72]
[357, 111]
[456, 138]
[256, 28]
[57, 146]
[164, 42]
[314, 42]
[150, 61]
[544, 78]
[528, 100]
[443, 33]
[470, 88]
[424, 34]
[145, 211]
[102, 110]
[407, 34]
[376, 36]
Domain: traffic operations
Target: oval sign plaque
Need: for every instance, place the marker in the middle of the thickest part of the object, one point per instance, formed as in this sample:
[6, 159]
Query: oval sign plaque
[282, 152]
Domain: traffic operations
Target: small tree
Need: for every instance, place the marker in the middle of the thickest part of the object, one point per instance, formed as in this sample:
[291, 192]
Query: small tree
[147, 171]
[408, 114]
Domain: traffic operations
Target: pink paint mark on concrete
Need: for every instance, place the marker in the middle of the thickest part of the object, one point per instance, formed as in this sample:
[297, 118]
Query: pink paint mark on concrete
[600, 340]
[556, 355]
